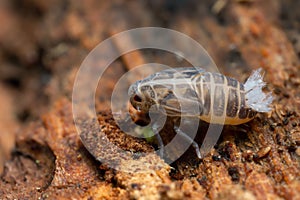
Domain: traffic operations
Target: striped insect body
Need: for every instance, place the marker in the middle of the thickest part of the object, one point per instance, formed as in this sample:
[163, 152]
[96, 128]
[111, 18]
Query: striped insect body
[220, 99]
[194, 92]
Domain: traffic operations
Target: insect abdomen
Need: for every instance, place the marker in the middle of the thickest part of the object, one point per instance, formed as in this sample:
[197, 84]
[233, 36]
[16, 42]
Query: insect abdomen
[223, 99]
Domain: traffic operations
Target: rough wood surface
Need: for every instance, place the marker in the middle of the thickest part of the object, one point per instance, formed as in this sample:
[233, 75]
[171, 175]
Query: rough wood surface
[43, 44]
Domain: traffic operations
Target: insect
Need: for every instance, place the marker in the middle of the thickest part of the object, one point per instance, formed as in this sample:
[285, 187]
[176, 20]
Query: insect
[194, 92]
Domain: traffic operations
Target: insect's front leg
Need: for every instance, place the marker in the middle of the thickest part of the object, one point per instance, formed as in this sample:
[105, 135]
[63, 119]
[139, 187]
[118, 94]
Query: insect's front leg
[156, 127]
[158, 119]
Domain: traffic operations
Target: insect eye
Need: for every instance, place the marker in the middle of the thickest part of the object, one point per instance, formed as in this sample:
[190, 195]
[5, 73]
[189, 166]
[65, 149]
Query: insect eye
[137, 98]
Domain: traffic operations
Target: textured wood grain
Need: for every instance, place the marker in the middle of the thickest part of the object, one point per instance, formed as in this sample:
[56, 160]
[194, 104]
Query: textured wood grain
[260, 160]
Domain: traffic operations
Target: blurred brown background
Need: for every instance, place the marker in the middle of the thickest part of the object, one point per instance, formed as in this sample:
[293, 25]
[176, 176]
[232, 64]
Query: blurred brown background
[42, 44]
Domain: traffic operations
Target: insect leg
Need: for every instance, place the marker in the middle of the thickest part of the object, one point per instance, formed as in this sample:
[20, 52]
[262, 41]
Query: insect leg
[190, 140]
[155, 129]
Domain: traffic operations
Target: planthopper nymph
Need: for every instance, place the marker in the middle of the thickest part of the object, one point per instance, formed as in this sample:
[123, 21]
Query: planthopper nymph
[194, 92]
